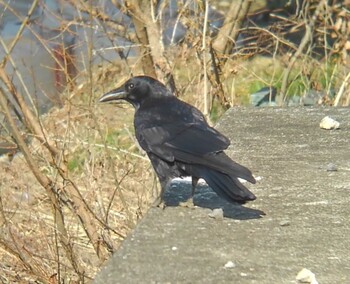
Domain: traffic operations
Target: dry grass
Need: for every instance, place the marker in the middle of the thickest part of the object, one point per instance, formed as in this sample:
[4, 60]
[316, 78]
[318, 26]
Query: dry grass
[106, 168]
[97, 148]
[113, 175]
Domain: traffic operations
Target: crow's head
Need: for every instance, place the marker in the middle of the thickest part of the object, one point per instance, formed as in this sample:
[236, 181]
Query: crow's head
[136, 90]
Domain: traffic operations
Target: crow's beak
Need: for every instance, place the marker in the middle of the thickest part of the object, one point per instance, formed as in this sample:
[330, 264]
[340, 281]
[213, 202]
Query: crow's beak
[114, 95]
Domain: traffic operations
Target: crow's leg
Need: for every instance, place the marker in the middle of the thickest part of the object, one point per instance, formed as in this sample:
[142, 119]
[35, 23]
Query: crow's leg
[194, 184]
[189, 203]
[158, 201]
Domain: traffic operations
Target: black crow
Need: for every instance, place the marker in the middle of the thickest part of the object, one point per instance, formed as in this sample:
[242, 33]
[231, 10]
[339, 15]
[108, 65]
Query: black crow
[178, 140]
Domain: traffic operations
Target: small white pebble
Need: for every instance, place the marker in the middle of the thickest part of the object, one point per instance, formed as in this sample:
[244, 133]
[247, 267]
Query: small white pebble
[284, 223]
[217, 213]
[306, 276]
[229, 265]
[174, 248]
[329, 123]
[243, 274]
[331, 167]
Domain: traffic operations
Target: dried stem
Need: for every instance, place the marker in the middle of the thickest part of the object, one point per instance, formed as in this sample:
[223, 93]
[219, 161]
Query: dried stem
[49, 186]
[341, 91]
[309, 28]
[20, 30]
[225, 41]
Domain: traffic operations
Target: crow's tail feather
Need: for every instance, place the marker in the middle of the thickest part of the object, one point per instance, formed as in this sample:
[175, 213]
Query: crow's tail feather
[227, 187]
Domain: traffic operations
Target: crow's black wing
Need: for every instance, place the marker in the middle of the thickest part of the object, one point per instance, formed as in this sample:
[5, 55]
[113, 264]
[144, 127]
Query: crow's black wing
[169, 121]
[193, 144]
[176, 131]
[189, 138]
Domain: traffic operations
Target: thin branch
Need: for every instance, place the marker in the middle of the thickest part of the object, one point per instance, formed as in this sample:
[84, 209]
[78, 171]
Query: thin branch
[342, 89]
[309, 27]
[225, 41]
[49, 186]
[21, 28]
[204, 52]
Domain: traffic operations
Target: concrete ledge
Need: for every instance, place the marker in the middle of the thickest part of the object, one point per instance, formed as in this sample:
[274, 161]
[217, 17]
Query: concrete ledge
[307, 210]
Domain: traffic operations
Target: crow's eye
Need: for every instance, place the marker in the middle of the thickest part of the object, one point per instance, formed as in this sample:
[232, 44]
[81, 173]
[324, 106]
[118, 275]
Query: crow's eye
[131, 86]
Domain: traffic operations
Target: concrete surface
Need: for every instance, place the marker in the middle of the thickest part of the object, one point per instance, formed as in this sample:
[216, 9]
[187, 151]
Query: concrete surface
[307, 210]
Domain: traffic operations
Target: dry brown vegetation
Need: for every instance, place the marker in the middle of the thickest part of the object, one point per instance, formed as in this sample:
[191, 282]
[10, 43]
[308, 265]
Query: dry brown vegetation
[79, 183]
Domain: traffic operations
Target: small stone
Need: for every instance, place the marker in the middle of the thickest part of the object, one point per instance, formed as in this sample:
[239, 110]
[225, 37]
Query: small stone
[258, 178]
[306, 276]
[331, 167]
[217, 213]
[174, 248]
[285, 223]
[329, 123]
[230, 265]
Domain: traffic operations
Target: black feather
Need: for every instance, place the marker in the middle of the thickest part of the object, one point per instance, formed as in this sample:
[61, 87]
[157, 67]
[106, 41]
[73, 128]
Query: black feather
[179, 141]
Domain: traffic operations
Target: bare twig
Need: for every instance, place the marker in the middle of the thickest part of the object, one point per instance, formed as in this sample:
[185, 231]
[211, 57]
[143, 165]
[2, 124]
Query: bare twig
[20, 30]
[18, 74]
[138, 18]
[15, 250]
[342, 89]
[204, 52]
[50, 188]
[225, 41]
[117, 182]
[72, 190]
[309, 27]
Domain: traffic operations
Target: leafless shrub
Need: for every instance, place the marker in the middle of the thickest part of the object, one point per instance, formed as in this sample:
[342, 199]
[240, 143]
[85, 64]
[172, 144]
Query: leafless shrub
[80, 183]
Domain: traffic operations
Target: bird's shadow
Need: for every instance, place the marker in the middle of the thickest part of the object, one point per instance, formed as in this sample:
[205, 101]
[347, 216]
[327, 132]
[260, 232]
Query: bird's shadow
[205, 197]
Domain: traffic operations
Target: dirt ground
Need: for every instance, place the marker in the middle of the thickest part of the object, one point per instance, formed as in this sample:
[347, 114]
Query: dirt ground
[300, 219]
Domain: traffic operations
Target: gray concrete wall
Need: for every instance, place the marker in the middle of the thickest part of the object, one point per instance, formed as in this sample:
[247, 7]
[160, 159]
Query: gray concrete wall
[300, 219]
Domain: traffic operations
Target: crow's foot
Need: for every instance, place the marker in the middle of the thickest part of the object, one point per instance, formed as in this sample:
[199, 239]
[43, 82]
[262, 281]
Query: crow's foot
[188, 203]
[158, 202]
